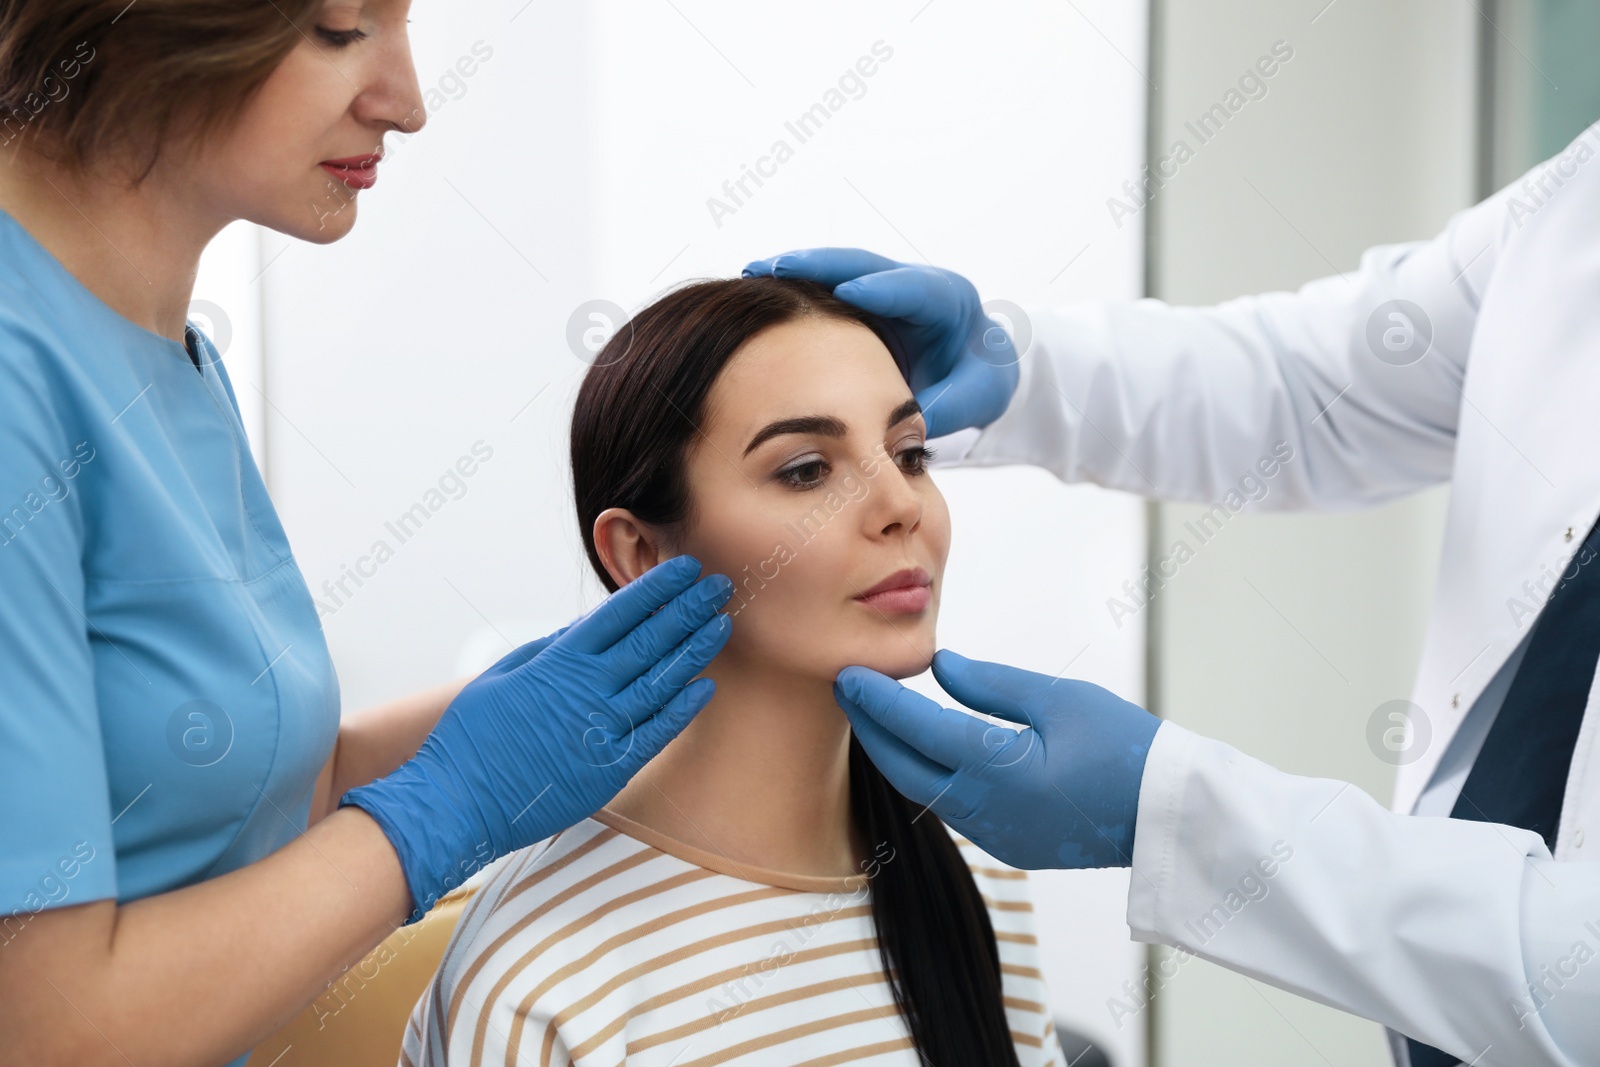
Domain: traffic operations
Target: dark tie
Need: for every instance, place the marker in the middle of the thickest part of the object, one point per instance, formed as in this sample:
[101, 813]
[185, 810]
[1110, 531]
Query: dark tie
[1520, 775]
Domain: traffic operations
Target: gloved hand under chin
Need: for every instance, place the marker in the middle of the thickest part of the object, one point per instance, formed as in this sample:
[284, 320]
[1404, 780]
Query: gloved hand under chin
[1062, 793]
[552, 732]
[963, 365]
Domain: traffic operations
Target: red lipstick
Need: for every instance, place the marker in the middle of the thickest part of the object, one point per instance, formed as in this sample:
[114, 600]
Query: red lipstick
[905, 592]
[358, 172]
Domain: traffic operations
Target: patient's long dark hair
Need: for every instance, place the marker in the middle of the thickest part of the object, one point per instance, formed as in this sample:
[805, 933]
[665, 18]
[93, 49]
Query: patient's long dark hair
[635, 419]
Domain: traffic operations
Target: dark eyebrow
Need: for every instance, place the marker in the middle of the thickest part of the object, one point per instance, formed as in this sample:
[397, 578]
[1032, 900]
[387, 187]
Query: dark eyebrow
[903, 412]
[825, 425]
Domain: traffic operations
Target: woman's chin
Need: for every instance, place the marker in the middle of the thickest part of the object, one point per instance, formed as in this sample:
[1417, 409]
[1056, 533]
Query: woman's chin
[903, 656]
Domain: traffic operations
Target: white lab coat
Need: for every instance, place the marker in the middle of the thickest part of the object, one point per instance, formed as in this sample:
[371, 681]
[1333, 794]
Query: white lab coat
[1435, 927]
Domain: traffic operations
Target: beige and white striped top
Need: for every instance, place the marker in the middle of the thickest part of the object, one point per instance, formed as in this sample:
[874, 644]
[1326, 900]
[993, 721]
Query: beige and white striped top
[611, 944]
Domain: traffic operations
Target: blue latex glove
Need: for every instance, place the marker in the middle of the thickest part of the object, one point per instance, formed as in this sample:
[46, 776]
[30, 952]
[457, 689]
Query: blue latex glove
[1064, 793]
[553, 731]
[963, 366]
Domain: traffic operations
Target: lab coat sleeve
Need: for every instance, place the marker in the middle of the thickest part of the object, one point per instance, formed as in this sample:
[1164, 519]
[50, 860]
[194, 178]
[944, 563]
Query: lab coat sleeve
[1465, 935]
[1182, 403]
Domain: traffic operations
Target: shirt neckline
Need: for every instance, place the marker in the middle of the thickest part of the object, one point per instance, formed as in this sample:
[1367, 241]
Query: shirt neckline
[804, 883]
[92, 298]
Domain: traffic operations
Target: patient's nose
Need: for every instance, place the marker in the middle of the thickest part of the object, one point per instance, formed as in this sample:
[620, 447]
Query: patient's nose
[898, 505]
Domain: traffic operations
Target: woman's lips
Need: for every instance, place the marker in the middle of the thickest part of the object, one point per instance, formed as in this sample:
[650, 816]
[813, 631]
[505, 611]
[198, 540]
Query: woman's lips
[358, 172]
[904, 592]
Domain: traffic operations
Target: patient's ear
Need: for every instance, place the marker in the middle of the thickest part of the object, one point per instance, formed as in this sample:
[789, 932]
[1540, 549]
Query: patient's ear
[626, 545]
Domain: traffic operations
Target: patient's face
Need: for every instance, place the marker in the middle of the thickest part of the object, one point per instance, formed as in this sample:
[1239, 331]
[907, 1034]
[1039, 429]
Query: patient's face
[808, 488]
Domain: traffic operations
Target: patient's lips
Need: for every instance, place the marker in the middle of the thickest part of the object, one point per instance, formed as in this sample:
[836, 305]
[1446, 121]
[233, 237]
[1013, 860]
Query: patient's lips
[905, 592]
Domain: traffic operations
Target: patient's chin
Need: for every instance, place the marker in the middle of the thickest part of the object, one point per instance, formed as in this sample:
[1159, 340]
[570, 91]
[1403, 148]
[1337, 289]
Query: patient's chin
[904, 659]
[910, 669]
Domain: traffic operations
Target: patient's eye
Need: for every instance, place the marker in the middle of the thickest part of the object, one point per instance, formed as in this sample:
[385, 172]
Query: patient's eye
[806, 475]
[915, 460]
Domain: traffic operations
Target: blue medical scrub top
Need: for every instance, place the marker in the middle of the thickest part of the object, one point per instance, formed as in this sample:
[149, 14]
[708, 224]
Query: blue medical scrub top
[166, 695]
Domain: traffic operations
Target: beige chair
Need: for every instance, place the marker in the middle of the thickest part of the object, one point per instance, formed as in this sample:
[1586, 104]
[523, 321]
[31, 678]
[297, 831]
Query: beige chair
[360, 1019]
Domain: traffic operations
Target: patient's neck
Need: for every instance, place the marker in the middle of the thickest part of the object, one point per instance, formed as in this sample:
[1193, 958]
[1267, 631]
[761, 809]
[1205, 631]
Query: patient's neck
[761, 776]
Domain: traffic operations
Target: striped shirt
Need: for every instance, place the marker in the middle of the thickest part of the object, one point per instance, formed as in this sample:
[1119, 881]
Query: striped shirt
[612, 943]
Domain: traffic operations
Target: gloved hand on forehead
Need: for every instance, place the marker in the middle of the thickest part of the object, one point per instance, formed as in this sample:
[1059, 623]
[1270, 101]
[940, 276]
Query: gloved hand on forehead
[962, 363]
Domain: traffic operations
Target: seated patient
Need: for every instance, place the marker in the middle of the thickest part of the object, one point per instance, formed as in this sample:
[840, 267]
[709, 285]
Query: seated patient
[758, 893]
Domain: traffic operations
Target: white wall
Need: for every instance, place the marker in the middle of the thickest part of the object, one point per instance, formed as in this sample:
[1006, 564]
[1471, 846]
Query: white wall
[574, 164]
[227, 307]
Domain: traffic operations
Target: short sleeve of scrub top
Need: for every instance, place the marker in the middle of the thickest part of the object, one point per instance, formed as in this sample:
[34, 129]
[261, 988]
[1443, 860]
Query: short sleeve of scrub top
[166, 694]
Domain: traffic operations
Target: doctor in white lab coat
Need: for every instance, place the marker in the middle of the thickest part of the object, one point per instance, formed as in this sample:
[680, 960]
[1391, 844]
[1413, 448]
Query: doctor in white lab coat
[1467, 919]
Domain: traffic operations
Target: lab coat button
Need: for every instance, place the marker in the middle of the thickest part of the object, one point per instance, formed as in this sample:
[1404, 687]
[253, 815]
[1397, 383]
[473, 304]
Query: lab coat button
[1568, 534]
[1455, 700]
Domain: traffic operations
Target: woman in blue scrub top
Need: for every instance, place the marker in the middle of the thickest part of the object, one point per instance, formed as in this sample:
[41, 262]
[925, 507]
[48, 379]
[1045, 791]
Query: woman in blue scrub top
[192, 844]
